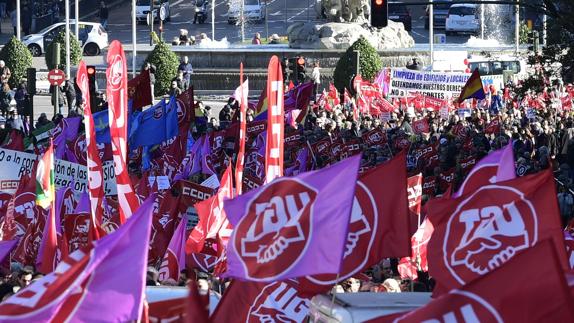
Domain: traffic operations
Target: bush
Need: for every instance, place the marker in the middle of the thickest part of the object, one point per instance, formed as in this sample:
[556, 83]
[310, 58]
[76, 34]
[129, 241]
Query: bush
[75, 51]
[369, 64]
[18, 58]
[166, 63]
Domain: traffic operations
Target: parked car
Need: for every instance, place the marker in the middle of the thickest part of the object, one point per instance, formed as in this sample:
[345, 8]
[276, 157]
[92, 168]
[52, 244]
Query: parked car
[142, 10]
[440, 11]
[92, 35]
[398, 12]
[462, 18]
[253, 10]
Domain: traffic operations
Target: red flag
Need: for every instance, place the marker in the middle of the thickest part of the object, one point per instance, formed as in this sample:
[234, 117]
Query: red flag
[566, 102]
[94, 163]
[47, 258]
[408, 266]
[275, 121]
[165, 214]
[212, 217]
[379, 225]
[421, 126]
[244, 91]
[525, 296]
[415, 190]
[201, 262]
[174, 259]
[493, 126]
[260, 302]
[433, 103]
[197, 310]
[14, 141]
[139, 91]
[118, 115]
[77, 229]
[481, 230]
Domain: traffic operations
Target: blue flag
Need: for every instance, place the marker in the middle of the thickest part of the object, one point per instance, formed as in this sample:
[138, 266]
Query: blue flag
[155, 125]
[102, 124]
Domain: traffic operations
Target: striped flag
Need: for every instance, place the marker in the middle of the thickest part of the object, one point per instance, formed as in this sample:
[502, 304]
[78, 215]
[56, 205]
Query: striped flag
[275, 121]
[243, 91]
[45, 189]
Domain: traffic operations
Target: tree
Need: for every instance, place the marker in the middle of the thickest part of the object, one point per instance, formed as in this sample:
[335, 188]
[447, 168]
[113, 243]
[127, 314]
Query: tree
[75, 51]
[166, 63]
[18, 58]
[369, 64]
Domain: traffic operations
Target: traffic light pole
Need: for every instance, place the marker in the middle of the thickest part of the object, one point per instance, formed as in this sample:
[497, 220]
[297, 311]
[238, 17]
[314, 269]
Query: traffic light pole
[431, 32]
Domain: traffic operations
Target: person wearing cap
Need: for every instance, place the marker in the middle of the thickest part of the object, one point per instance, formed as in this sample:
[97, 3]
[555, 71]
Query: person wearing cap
[274, 39]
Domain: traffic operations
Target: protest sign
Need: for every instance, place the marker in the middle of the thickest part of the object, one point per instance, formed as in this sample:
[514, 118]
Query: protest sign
[434, 84]
[14, 164]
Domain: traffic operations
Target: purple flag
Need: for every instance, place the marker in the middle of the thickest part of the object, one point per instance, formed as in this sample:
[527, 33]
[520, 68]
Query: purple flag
[191, 163]
[83, 205]
[293, 226]
[92, 285]
[66, 131]
[6, 247]
[496, 167]
[206, 166]
[173, 261]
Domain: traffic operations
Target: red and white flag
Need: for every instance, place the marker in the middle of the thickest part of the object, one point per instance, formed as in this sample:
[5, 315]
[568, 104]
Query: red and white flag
[483, 229]
[117, 93]
[243, 91]
[415, 193]
[173, 261]
[259, 302]
[89, 285]
[94, 163]
[421, 126]
[275, 121]
[212, 218]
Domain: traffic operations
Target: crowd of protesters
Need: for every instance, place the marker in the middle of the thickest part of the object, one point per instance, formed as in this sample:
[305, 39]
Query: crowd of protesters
[542, 136]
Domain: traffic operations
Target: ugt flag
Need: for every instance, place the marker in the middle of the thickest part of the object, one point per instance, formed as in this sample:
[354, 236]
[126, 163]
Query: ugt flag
[292, 227]
[524, 297]
[482, 230]
[155, 125]
[104, 284]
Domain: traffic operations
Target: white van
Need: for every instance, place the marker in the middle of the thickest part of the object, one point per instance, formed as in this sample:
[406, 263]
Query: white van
[253, 10]
[361, 307]
[462, 18]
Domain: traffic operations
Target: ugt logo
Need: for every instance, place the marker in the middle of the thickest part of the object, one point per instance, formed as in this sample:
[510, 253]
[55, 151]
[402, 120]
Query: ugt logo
[277, 228]
[483, 234]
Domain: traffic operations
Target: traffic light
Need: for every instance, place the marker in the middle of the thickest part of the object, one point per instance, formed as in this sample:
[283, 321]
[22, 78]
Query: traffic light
[91, 70]
[379, 13]
[300, 70]
[31, 81]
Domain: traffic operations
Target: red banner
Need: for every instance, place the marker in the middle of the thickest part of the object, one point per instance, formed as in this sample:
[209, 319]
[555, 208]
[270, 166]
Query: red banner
[93, 161]
[275, 121]
[117, 93]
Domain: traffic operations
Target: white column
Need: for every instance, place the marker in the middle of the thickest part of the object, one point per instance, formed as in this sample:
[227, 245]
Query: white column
[134, 38]
[18, 11]
[67, 3]
[431, 32]
[77, 15]
[517, 26]
[544, 30]
[242, 16]
[213, 20]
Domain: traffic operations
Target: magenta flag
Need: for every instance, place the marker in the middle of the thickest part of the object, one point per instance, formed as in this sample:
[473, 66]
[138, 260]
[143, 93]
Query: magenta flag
[293, 226]
[496, 167]
[103, 284]
[173, 261]
[6, 247]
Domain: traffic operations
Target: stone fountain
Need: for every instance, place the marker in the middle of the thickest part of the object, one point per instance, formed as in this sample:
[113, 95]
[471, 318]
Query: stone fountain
[348, 20]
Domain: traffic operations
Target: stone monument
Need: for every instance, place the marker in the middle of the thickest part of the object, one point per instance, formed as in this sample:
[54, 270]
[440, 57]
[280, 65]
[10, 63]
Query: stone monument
[347, 21]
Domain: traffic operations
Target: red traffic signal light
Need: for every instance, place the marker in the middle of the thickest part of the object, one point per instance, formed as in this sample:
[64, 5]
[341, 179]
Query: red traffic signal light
[91, 70]
[379, 13]
[301, 61]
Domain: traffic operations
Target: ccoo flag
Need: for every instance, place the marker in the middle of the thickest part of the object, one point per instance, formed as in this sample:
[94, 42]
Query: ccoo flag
[87, 285]
[473, 88]
[292, 227]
